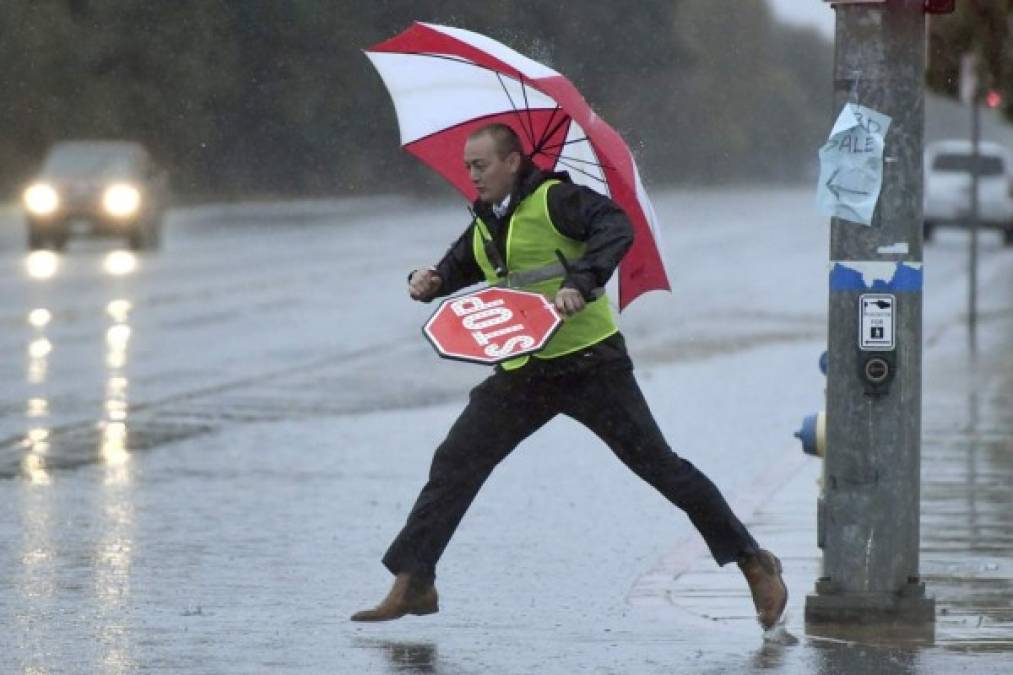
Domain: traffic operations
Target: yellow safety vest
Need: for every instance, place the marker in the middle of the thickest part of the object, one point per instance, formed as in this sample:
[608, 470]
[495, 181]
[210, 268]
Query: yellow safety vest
[532, 241]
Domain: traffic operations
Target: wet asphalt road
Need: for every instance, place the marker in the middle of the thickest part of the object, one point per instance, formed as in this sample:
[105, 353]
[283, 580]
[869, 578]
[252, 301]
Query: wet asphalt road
[205, 450]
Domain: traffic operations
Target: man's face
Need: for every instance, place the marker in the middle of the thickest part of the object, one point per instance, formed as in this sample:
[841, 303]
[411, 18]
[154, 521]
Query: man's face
[493, 176]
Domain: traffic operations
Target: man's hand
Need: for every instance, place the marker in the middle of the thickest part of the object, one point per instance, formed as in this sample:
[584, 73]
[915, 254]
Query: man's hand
[569, 301]
[424, 284]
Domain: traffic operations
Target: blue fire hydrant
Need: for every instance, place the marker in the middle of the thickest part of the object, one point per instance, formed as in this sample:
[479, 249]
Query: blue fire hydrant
[813, 433]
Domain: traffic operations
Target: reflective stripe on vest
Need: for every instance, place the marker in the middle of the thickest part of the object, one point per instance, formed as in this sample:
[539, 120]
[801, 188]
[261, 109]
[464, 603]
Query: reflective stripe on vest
[532, 242]
[528, 277]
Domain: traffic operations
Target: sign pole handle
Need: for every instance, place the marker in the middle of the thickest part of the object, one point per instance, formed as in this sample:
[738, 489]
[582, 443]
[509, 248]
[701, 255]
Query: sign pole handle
[564, 262]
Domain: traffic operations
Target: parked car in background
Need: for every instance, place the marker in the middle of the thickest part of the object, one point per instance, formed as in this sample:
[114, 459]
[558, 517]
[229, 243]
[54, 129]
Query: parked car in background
[104, 188]
[948, 166]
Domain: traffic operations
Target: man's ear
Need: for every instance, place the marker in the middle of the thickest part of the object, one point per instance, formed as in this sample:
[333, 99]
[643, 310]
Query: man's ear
[514, 161]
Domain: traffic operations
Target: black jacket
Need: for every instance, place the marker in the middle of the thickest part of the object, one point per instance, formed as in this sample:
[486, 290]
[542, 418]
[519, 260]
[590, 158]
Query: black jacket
[577, 211]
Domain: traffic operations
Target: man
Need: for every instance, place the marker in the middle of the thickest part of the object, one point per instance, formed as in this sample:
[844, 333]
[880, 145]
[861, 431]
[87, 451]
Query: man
[527, 218]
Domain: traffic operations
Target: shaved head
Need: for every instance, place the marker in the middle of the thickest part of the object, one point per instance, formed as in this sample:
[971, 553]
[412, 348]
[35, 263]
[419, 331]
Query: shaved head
[503, 137]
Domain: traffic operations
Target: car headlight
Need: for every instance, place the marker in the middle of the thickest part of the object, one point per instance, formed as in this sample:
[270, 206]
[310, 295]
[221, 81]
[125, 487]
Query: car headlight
[41, 199]
[121, 200]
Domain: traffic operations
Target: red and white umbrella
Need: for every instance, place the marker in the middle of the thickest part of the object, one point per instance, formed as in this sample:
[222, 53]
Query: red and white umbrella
[446, 82]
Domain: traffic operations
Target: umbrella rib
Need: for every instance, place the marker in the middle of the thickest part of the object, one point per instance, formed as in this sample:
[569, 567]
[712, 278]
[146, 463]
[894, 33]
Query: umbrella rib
[589, 162]
[581, 171]
[447, 57]
[544, 137]
[593, 162]
[527, 108]
[551, 133]
[517, 112]
[564, 143]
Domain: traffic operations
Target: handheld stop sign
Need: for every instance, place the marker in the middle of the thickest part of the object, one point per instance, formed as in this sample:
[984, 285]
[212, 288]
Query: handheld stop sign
[492, 325]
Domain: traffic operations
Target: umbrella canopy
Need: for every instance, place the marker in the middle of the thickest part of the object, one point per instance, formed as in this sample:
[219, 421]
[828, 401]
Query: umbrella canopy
[447, 82]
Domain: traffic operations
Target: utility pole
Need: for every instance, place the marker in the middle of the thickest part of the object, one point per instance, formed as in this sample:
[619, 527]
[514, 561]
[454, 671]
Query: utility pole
[969, 94]
[868, 523]
[976, 137]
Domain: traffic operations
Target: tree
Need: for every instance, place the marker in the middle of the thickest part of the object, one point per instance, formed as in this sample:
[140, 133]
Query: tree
[153, 72]
[274, 97]
[984, 28]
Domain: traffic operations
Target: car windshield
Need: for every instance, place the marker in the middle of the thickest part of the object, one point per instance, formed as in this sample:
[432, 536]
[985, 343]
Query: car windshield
[75, 160]
[988, 165]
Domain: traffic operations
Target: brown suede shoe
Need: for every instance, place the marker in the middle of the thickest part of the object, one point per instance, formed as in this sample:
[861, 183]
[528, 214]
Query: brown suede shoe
[770, 595]
[407, 596]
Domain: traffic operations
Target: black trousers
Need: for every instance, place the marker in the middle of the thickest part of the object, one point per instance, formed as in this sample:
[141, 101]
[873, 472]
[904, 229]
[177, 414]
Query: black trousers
[508, 407]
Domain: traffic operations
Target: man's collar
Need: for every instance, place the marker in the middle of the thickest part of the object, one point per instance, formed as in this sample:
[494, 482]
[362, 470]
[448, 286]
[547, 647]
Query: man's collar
[527, 182]
[500, 209]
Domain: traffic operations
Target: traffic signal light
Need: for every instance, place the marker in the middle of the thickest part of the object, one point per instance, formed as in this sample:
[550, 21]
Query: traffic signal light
[940, 6]
[993, 99]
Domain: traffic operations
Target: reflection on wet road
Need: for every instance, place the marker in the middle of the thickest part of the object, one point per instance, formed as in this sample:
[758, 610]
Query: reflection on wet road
[418, 658]
[42, 547]
[967, 501]
[36, 442]
[42, 268]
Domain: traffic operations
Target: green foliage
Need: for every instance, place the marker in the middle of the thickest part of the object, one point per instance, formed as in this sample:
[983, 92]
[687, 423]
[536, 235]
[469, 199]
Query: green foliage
[148, 71]
[275, 97]
[984, 28]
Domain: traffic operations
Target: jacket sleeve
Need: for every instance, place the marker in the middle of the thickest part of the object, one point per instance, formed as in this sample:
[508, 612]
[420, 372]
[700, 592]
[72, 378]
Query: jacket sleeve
[582, 214]
[458, 268]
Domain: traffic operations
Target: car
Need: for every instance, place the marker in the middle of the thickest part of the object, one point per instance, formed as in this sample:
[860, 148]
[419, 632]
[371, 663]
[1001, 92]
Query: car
[948, 167]
[97, 187]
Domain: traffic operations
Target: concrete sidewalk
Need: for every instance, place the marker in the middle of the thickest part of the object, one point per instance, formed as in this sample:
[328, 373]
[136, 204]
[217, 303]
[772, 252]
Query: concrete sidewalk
[966, 537]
